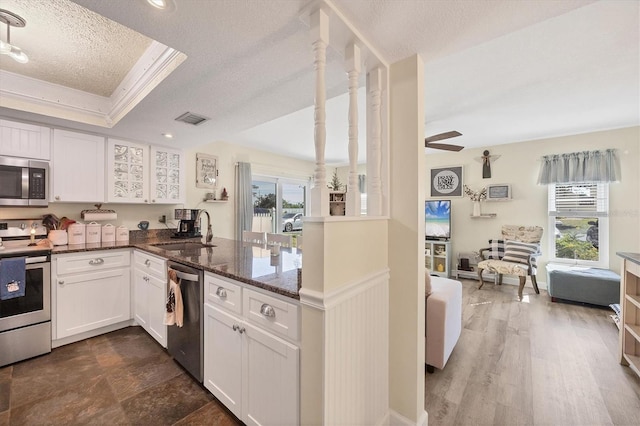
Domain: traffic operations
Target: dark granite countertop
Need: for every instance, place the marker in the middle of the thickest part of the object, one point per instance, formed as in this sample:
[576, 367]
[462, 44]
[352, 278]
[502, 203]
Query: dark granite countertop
[633, 257]
[245, 262]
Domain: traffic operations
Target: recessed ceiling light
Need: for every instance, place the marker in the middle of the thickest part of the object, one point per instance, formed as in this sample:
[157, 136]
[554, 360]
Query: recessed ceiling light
[166, 5]
[160, 4]
[168, 135]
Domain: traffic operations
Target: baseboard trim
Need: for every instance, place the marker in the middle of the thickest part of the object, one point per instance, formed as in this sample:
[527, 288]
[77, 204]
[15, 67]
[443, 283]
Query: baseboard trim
[397, 419]
[92, 333]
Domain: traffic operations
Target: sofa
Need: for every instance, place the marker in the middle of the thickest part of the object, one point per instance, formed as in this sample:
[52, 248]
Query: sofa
[443, 319]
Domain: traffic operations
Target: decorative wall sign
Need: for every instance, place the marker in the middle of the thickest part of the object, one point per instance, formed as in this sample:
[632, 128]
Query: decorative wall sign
[446, 181]
[498, 192]
[206, 171]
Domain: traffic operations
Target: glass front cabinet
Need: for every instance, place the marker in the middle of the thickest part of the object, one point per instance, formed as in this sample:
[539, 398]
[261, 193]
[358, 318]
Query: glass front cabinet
[139, 173]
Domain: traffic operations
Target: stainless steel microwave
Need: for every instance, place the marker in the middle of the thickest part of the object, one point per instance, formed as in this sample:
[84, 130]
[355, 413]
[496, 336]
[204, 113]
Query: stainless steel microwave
[23, 182]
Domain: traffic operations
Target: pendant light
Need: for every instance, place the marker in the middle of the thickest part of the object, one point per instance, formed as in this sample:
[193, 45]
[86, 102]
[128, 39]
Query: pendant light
[6, 48]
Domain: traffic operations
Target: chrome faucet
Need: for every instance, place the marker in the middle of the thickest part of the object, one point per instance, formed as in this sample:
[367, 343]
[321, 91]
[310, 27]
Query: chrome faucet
[209, 236]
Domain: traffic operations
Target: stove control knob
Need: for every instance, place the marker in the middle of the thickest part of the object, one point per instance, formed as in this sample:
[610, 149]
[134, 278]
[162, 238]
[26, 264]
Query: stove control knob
[23, 226]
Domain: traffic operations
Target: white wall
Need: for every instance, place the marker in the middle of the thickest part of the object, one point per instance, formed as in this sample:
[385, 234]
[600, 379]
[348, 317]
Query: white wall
[264, 163]
[518, 166]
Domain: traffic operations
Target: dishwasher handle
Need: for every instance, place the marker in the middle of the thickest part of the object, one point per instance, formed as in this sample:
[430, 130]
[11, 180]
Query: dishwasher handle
[186, 276]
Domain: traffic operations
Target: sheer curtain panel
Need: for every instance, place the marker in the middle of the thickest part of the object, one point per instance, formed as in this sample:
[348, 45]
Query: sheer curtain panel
[245, 199]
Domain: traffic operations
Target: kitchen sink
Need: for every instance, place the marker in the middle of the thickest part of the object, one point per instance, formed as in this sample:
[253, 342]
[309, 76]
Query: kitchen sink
[182, 246]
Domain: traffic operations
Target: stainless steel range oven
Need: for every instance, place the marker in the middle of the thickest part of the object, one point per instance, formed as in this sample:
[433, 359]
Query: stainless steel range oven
[25, 322]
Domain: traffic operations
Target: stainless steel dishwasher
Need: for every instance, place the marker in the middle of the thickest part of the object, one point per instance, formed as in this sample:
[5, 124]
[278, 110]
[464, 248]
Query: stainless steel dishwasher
[185, 343]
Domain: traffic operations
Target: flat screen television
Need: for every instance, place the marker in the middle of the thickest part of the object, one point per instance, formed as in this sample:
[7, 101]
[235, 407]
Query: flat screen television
[437, 219]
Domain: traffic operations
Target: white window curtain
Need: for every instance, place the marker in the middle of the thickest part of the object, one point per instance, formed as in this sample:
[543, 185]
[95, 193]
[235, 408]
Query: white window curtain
[245, 199]
[586, 166]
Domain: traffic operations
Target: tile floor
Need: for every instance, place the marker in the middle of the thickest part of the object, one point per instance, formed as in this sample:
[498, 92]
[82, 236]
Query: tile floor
[119, 378]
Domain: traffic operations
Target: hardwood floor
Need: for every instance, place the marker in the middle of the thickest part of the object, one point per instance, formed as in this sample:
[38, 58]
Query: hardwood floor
[119, 378]
[533, 362]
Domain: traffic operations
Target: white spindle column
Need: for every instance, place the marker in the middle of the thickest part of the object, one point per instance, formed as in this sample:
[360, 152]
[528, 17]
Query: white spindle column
[353, 63]
[374, 143]
[320, 37]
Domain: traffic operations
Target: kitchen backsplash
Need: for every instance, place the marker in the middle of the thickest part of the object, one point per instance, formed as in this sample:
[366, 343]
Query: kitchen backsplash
[129, 215]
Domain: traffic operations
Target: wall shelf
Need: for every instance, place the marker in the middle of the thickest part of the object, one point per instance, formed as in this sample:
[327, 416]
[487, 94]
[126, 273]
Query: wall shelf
[484, 216]
[215, 201]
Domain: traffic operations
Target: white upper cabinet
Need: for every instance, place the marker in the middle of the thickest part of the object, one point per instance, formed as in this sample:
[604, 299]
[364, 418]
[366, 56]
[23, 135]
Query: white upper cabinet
[127, 172]
[143, 174]
[77, 168]
[25, 140]
[167, 176]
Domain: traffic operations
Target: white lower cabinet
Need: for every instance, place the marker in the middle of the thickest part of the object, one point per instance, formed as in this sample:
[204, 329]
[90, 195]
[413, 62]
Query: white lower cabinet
[252, 371]
[91, 290]
[223, 358]
[150, 294]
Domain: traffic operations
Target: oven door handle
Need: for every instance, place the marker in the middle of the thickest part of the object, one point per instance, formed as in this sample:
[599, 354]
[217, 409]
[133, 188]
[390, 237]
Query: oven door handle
[35, 259]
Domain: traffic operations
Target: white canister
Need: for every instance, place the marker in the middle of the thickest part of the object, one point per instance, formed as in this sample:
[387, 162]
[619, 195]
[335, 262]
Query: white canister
[122, 234]
[58, 237]
[108, 233]
[76, 233]
[94, 232]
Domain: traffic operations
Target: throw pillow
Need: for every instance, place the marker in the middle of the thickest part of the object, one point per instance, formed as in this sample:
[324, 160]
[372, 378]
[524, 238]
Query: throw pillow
[519, 252]
[496, 249]
[427, 283]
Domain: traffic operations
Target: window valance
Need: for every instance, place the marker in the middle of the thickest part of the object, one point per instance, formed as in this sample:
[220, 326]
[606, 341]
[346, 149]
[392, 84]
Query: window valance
[585, 166]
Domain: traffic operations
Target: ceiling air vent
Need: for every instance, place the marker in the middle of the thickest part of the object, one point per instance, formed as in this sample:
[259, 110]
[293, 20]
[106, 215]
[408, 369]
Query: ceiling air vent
[191, 118]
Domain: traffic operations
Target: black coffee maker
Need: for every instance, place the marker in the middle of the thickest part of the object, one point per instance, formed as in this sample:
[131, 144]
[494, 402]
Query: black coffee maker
[188, 226]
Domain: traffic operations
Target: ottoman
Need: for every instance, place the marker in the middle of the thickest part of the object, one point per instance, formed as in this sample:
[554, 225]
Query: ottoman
[588, 285]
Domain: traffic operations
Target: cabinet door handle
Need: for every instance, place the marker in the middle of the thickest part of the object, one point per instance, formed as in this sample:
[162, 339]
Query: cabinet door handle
[57, 198]
[147, 262]
[235, 327]
[98, 261]
[241, 330]
[60, 282]
[267, 310]
[221, 292]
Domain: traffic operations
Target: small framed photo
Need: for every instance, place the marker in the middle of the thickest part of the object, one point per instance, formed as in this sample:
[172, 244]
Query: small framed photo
[446, 182]
[206, 171]
[498, 192]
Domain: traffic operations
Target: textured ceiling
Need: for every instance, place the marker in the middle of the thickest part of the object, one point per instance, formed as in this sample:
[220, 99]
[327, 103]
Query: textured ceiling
[498, 71]
[72, 46]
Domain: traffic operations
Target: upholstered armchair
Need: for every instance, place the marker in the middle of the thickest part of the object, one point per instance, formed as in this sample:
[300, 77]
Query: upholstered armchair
[514, 254]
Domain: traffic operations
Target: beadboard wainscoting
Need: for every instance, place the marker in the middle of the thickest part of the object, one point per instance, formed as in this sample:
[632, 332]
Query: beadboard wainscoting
[356, 349]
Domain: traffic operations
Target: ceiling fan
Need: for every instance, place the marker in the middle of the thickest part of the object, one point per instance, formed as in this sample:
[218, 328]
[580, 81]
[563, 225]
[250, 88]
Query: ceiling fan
[428, 142]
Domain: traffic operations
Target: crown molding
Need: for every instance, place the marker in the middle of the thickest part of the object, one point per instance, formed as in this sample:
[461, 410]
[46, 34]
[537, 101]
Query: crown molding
[41, 97]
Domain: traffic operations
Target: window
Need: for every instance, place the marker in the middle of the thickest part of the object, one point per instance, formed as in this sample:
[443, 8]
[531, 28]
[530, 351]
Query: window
[578, 216]
[278, 201]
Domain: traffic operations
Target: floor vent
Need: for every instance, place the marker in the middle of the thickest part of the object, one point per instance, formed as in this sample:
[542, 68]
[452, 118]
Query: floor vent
[191, 118]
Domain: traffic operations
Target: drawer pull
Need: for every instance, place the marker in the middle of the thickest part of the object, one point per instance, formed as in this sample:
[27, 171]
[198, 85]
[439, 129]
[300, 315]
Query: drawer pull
[147, 262]
[60, 282]
[241, 330]
[267, 310]
[221, 292]
[235, 327]
[98, 261]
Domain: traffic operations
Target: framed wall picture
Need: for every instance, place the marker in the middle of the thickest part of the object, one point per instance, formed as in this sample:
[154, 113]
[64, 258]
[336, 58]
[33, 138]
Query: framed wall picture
[498, 192]
[206, 171]
[446, 182]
